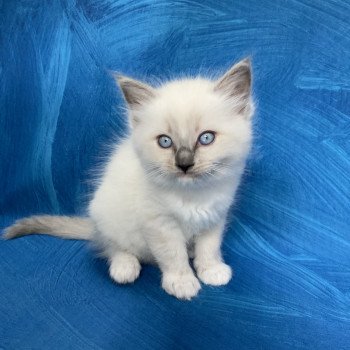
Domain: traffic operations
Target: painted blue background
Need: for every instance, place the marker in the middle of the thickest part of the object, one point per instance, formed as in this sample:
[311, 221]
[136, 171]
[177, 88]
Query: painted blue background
[289, 236]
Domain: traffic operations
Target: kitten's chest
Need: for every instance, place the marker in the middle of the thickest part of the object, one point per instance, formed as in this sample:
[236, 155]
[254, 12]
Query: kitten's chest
[196, 216]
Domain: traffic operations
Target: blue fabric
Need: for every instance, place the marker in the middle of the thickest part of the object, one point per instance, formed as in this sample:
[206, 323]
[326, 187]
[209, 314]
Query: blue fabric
[289, 235]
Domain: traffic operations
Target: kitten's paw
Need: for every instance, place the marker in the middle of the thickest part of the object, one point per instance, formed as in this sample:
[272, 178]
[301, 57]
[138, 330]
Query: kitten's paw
[125, 270]
[182, 286]
[217, 274]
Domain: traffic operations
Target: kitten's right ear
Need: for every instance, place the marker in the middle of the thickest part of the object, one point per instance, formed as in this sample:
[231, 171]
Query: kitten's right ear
[134, 92]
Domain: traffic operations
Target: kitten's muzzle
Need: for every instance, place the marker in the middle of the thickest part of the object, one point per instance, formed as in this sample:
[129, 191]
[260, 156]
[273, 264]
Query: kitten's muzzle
[184, 159]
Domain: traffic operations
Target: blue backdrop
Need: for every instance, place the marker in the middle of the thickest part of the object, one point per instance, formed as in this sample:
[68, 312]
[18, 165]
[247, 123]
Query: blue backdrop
[289, 236]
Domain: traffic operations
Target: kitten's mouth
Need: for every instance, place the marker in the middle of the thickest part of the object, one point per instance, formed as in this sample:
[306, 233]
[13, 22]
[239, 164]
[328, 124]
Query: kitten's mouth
[187, 175]
[195, 175]
[182, 175]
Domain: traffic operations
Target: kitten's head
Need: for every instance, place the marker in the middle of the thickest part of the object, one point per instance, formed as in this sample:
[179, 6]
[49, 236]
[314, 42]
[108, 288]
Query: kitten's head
[191, 131]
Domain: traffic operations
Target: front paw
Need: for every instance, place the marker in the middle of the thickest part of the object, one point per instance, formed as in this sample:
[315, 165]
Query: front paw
[125, 271]
[182, 286]
[217, 274]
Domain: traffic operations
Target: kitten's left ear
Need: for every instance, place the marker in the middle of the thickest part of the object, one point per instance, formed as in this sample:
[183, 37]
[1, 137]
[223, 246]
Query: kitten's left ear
[135, 92]
[236, 84]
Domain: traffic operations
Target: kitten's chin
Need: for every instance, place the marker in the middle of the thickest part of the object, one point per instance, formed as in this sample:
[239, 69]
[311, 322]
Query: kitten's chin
[186, 179]
[192, 180]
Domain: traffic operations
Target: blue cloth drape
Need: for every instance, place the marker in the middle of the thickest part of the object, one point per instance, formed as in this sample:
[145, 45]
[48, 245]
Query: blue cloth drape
[289, 234]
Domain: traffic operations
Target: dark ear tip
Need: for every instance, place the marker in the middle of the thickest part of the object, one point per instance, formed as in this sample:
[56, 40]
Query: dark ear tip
[116, 76]
[246, 62]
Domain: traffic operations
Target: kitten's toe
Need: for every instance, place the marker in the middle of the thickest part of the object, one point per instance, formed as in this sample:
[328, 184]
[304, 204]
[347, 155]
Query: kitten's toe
[182, 286]
[217, 274]
[125, 271]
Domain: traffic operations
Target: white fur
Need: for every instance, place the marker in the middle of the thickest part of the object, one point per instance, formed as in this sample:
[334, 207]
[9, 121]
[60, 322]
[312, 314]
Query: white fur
[146, 210]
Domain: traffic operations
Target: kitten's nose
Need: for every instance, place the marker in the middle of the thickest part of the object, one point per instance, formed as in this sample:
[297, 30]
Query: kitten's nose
[184, 159]
[184, 167]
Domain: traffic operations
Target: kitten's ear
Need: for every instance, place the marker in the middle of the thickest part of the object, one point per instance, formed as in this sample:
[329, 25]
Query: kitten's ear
[134, 92]
[236, 84]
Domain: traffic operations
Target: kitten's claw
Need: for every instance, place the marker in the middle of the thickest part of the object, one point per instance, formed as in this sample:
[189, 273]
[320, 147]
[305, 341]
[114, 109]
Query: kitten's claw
[217, 274]
[125, 271]
[182, 286]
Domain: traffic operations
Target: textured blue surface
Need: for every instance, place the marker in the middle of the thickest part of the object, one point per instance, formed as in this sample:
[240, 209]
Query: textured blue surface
[289, 236]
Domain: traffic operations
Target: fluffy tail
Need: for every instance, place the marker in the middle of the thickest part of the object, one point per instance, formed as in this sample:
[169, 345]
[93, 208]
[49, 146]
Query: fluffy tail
[62, 226]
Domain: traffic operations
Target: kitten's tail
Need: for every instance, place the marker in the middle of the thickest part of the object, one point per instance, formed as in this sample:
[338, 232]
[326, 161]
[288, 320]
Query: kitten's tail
[62, 226]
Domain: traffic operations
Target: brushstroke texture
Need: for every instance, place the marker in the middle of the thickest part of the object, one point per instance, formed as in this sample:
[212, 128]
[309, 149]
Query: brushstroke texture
[289, 234]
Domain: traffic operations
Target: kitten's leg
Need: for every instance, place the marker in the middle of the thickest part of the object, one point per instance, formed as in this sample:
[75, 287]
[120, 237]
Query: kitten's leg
[190, 249]
[124, 267]
[168, 247]
[208, 260]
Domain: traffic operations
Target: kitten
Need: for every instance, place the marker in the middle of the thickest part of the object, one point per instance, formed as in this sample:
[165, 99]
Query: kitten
[167, 188]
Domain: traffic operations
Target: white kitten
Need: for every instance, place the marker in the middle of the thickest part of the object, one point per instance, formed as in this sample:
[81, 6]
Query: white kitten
[168, 187]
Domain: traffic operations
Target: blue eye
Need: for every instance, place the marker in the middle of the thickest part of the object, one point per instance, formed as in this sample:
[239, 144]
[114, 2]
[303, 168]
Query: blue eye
[164, 141]
[206, 138]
